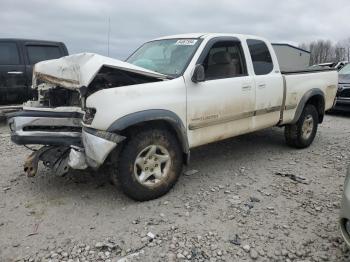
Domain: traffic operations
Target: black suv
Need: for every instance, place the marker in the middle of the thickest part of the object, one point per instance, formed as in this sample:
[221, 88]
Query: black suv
[17, 57]
[343, 95]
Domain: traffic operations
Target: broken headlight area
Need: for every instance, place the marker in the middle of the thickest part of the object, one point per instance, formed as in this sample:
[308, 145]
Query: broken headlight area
[89, 115]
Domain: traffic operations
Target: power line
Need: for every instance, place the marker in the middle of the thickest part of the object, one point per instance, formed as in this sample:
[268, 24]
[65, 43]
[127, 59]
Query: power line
[109, 32]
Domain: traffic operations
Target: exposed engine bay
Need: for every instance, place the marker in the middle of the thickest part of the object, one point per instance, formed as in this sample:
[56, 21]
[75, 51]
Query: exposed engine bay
[50, 95]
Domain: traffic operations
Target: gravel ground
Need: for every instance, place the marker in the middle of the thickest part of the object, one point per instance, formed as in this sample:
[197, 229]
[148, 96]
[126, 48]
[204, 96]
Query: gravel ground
[242, 199]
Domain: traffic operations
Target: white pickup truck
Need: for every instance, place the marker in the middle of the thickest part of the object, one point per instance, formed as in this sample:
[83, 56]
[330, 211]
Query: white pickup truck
[141, 117]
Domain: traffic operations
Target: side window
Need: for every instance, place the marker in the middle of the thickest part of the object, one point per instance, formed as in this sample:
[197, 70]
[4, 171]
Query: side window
[261, 57]
[9, 53]
[37, 53]
[224, 60]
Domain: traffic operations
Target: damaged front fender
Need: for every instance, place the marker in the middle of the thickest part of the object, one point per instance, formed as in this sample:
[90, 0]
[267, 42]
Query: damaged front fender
[98, 145]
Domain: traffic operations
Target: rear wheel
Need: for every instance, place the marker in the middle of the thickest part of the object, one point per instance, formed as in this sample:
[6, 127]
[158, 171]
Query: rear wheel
[149, 164]
[302, 133]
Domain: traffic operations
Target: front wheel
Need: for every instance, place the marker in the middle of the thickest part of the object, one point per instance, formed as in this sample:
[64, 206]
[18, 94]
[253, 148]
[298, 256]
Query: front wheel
[149, 164]
[302, 133]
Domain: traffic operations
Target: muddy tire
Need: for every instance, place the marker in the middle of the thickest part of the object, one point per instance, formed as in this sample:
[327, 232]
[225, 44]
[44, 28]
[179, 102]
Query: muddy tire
[302, 133]
[149, 164]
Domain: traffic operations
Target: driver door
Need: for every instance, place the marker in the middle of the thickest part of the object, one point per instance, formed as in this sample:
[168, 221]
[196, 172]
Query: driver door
[223, 105]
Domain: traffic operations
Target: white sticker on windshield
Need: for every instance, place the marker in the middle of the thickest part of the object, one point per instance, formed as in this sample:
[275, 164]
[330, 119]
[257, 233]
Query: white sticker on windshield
[186, 42]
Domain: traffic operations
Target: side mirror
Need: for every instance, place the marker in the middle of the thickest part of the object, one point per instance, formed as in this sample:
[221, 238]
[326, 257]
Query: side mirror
[198, 74]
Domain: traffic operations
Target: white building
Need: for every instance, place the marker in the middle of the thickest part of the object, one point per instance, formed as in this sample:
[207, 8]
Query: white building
[291, 57]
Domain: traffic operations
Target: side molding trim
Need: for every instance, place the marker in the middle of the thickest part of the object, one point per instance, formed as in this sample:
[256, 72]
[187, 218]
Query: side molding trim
[230, 118]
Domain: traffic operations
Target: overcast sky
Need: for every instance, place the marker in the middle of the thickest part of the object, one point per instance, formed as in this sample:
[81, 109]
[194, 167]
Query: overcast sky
[83, 24]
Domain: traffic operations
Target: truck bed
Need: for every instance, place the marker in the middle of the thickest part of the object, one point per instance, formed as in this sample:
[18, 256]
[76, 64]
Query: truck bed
[297, 85]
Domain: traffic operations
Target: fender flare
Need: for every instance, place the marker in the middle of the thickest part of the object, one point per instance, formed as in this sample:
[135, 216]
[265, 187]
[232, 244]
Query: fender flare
[151, 115]
[303, 101]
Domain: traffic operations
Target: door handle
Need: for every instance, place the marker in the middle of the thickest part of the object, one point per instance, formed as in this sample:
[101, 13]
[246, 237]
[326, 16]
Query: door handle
[246, 87]
[15, 73]
[262, 85]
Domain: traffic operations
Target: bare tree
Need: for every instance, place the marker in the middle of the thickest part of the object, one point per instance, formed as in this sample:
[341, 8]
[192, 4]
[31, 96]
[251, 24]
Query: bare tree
[323, 51]
[340, 52]
[345, 44]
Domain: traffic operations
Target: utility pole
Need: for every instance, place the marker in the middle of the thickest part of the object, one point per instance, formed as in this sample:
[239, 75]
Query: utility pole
[109, 32]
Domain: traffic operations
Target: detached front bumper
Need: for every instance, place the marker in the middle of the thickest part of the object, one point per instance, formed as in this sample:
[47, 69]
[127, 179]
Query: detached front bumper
[57, 128]
[66, 143]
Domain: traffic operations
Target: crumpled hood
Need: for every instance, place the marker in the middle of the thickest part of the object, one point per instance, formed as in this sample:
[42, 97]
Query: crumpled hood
[79, 70]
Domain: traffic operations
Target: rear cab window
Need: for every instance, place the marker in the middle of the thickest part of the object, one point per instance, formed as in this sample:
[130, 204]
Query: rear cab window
[9, 54]
[37, 53]
[261, 57]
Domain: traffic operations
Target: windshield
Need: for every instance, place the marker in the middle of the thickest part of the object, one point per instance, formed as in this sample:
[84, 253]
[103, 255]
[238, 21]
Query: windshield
[168, 57]
[345, 70]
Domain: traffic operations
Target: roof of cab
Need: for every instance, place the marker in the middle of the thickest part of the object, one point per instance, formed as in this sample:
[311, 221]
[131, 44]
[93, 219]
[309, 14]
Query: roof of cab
[204, 35]
[190, 35]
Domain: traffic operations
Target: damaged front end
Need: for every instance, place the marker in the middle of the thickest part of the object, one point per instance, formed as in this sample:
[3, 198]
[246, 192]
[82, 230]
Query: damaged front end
[58, 118]
[66, 143]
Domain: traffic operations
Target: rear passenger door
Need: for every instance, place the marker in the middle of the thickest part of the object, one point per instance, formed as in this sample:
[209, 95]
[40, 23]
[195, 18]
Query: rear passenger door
[221, 106]
[268, 82]
[37, 52]
[13, 88]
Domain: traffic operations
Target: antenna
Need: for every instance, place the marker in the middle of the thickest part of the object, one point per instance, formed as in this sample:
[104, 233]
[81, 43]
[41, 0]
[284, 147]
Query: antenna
[109, 32]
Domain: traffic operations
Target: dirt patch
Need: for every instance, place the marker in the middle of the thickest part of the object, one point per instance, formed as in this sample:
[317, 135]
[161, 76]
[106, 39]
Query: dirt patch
[232, 208]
